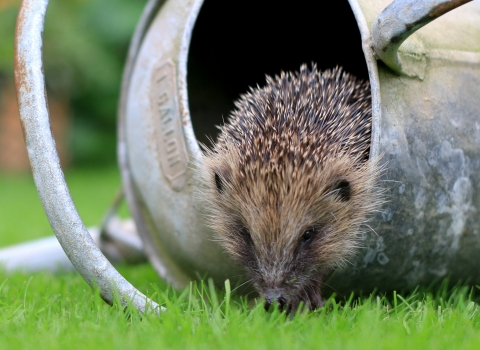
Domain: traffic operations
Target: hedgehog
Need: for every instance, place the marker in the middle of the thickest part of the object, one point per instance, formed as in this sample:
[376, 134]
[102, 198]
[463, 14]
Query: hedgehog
[288, 184]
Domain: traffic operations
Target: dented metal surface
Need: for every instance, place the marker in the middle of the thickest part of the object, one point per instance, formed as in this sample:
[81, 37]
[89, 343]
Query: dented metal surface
[52, 189]
[428, 129]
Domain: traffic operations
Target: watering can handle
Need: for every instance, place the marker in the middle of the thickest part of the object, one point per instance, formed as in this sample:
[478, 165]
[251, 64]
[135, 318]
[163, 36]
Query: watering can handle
[47, 173]
[401, 19]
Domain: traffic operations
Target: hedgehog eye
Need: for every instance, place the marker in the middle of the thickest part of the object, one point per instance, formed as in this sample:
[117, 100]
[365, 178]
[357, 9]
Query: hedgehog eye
[245, 233]
[218, 183]
[342, 189]
[307, 235]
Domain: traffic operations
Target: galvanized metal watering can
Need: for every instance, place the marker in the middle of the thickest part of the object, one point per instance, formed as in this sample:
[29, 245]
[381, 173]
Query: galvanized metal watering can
[425, 123]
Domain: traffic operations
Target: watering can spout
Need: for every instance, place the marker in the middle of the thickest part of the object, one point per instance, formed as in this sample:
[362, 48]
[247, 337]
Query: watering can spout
[118, 240]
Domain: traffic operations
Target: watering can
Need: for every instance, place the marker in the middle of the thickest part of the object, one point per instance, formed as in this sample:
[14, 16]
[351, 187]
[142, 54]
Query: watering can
[425, 127]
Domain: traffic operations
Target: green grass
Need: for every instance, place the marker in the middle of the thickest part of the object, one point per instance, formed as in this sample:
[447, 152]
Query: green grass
[44, 311]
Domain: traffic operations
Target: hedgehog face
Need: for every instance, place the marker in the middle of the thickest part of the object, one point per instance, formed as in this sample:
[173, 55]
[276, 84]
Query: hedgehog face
[290, 229]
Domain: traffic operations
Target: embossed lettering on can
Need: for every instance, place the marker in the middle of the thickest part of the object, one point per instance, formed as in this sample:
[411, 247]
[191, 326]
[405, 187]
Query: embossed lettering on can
[168, 126]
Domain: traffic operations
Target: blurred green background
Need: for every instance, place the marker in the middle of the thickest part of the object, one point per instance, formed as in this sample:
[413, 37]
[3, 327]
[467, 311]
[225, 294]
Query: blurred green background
[85, 45]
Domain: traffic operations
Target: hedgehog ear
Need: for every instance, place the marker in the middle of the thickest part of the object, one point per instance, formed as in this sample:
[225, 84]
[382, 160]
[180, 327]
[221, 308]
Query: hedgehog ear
[342, 189]
[219, 183]
[222, 177]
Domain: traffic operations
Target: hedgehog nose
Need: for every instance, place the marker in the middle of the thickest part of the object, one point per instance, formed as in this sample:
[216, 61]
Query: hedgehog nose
[271, 297]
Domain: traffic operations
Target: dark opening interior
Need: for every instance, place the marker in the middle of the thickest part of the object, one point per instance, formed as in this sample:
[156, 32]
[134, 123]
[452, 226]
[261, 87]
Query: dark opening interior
[236, 43]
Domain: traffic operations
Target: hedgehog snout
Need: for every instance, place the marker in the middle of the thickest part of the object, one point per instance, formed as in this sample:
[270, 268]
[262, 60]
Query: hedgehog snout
[274, 296]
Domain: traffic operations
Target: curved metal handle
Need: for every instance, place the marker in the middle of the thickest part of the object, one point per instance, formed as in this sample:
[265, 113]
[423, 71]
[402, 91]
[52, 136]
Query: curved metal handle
[401, 19]
[49, 179]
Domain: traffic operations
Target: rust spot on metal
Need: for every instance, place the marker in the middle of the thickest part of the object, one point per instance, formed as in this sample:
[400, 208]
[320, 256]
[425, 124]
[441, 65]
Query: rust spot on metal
[418, 24]
[445, 7]
[395, 40]
[19, 65]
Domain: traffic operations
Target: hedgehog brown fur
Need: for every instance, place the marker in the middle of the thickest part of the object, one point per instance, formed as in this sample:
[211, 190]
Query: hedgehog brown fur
[289, 183]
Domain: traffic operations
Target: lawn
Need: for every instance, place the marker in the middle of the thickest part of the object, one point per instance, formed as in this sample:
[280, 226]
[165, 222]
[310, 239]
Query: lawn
[45, 311]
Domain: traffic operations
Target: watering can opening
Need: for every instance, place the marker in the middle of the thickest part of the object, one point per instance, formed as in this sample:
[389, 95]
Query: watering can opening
[235, 44]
